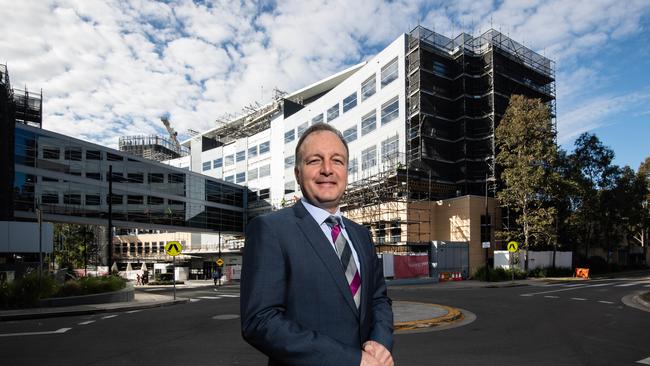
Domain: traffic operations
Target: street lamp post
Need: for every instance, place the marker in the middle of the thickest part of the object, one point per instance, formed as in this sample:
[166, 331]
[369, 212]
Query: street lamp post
[110, 218]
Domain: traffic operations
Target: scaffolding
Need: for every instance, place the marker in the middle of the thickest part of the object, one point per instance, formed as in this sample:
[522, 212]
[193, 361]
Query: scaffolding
[152, 147]
[456, 92]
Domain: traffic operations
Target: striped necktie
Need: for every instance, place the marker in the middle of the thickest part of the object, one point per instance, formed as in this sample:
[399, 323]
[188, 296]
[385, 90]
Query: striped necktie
[344, 252]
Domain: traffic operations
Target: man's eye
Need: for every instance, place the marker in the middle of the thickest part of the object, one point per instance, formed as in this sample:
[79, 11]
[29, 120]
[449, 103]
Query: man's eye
[312, 161]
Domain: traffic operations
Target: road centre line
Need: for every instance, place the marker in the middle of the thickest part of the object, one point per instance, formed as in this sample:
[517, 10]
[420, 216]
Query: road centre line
[551, 297]
[210, 297]
[86, 322]
[605, 302]
[578, 298]
[574, 285]
[628, 284]
[109, 316]
[566, 289]
[133, 311]
[58, 331]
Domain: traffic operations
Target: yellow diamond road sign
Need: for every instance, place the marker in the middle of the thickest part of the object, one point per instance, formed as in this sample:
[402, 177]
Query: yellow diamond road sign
[513, 246]
[173, 248]
[219, 262]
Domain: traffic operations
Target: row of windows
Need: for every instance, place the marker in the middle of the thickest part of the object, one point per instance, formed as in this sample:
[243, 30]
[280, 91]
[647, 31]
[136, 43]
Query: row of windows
[389, 151]
[368, 88]
[389, 112]
[95, 199]
[126, 178]
[263, 171]
[229, 160]
[76, 154]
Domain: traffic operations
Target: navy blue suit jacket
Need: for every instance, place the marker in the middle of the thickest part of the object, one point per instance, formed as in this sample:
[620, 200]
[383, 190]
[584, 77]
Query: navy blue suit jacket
[296, 305]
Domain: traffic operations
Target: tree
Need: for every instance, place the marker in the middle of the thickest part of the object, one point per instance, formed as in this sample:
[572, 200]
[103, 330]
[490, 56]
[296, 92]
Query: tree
[527, 154]
[592, 175]
[75, 245]
[642, 231]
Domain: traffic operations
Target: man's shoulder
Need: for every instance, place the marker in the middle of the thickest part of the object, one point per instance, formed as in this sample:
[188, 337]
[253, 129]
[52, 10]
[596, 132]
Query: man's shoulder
[353, 224]
[275, 216]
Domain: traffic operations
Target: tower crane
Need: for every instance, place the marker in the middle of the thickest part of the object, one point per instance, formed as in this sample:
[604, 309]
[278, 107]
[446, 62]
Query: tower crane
[172, 133]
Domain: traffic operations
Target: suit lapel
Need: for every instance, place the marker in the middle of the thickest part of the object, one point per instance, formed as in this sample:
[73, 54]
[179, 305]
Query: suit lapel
[325, 252]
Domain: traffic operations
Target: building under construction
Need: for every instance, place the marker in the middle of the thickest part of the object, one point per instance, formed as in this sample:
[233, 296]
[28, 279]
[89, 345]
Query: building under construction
[419, 119]
[152, 147]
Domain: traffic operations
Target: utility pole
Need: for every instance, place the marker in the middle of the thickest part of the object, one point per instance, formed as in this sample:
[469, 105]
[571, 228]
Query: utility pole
[110, 218]
[487, 232]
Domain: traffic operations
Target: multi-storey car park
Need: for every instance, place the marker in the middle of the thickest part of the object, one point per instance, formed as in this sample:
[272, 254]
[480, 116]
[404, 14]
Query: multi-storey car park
[419, 118]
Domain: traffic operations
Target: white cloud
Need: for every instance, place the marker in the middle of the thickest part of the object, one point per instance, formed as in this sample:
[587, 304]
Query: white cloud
[110, 68]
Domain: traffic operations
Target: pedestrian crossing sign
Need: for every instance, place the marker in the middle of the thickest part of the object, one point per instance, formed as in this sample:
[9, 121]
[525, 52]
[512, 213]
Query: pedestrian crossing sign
[219, 262]
[513, 246]
[173, 248]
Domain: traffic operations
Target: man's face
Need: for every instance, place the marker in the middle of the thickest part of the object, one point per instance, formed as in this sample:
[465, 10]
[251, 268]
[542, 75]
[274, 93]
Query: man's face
[322, 171]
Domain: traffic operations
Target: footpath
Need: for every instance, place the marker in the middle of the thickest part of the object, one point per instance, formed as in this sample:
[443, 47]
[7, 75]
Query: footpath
[409, 316]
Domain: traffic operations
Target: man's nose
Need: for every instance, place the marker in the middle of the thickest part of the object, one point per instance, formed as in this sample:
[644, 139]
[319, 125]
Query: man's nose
[326, 168]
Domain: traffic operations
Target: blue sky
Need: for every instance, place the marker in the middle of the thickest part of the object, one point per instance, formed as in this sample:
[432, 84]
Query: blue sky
[110, 68]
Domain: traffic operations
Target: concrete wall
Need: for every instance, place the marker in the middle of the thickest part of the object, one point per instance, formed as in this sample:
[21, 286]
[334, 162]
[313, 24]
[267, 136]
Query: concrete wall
[540, 259]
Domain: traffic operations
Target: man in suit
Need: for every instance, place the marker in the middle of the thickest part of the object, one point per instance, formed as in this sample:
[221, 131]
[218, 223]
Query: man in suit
[312, 288]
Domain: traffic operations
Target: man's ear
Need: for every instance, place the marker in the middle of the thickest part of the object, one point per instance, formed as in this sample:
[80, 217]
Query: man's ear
[296, 173]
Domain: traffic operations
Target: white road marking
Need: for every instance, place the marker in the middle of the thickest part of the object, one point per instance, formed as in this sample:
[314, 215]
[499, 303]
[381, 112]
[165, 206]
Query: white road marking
[627, 284]
[87, 322]
[194, 300]
[574, 285]
[133, 311]
[551, 297]
[645, 361]
[109, 316]
[230, 295]
[578, 298]
[600, 284]
[210, 297]
[605, 302]
[58, 331]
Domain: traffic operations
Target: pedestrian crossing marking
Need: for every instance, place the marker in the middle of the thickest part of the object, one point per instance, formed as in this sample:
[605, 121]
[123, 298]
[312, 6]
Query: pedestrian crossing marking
[87, 322]
[578, 299]
[109, 316]
[605, 302]
[210, 297]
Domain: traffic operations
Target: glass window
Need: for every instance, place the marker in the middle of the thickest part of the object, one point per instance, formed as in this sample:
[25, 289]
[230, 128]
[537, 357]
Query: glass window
[252, 174]
[368, 123]
[207, 165]
[389, 111]
[265, 147]
[368, 88]
[113, 157]
[50, 197]
[252, 152]
[350, 134]
[389, 148]
[135, 177]
[153, 200]
[241, 155]
[350, 102]
[369, 157]
[289, 187]
[317, 119]
[353, 166]
[302, 128]
[289, 136]
[52, 153]
[265, 193]
[265, 171]
[440, 68]
[95, 176]
[116, 199]
[48, 179]
[332, 112]
[240, 177]
[73, 153]
[230, 179]
[72, 199]
[135, 200]
[289, 162]
[389, 72]
[217, 163]
[229, 160]
[92, 200]
[156, 178]
[176, 178]
[93, 155]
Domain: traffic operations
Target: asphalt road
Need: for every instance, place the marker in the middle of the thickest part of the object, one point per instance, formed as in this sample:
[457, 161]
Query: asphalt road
[559, 324]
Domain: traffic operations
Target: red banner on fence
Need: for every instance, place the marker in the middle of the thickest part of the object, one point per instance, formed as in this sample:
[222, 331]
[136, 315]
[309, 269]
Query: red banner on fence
[411, 266]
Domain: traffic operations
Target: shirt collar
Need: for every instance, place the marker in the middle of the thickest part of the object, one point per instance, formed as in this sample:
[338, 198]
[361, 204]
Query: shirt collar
[321, 215]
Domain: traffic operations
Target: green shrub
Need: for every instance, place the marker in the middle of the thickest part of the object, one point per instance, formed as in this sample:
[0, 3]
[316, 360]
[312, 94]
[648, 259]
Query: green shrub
[96, 285]
[550, 272]
[160, 283]
[27, 290]
[499, 274]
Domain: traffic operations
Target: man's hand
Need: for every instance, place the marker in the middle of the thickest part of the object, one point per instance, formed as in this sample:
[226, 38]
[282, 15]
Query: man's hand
[378, 352]
[368, 360]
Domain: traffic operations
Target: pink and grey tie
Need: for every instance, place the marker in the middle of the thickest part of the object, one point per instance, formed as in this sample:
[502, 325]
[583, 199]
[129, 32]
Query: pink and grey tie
[345, 255]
